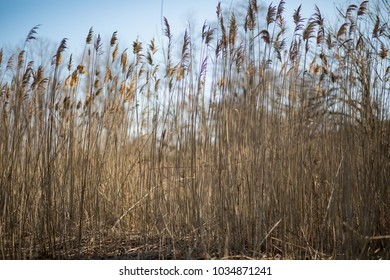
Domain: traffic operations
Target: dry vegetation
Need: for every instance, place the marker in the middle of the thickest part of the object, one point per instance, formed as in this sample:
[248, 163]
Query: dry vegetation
[259, 144]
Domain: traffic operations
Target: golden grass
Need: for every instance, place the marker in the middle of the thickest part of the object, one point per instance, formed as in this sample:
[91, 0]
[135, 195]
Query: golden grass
[253, 146]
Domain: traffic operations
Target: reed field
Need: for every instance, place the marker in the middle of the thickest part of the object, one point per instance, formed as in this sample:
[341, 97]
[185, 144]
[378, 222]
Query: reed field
[249, 141]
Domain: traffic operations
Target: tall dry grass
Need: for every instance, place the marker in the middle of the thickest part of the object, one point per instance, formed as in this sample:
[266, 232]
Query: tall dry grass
[260, 144]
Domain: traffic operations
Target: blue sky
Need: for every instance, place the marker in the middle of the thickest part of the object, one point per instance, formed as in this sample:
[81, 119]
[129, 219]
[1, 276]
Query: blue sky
[132, 18]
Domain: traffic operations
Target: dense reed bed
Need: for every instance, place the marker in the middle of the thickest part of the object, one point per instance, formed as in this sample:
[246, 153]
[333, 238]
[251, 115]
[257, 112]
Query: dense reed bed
[247, 142]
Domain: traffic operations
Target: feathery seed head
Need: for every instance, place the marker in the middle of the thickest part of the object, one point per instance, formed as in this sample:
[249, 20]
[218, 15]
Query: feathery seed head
[98, 45]
[115, 52]
[232, 30]
[70, 63]
[362, 8]
[31, 34]
[383, 52]
[81, 69]
[88, 40]
[60, 49]
[114, 39]
[124, 61]
[21, 59]
[270, 18]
